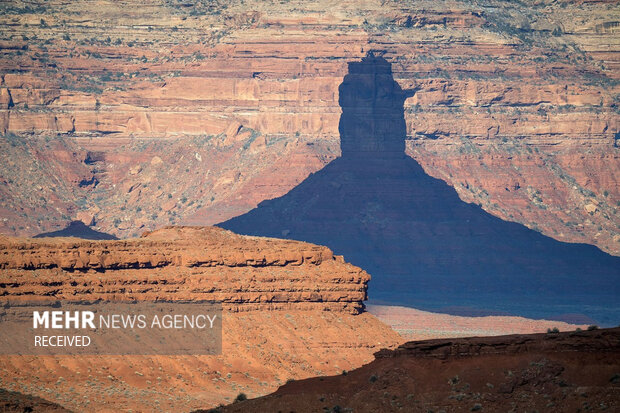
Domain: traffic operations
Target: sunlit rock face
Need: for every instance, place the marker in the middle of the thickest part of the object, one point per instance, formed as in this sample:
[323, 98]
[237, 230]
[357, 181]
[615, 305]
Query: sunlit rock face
[278, 296]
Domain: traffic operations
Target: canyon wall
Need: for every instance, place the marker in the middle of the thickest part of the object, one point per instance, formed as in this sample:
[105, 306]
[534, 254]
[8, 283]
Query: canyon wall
[380, 209]
[132, 116]
[291, 310]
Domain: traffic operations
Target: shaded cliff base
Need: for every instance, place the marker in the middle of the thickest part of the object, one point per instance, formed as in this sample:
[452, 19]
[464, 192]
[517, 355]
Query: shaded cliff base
[578, 371]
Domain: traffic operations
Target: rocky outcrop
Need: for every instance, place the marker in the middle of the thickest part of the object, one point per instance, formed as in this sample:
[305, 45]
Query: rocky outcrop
[290, 310]
[591, 341]
[506, 94]
[186, 264]
[14, 402]
[544, 372]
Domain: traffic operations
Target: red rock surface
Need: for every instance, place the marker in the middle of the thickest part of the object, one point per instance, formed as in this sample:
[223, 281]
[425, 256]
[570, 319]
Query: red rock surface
[558, 372]
[141, 114]
[186, 263]
[414, 324]
[291, 310]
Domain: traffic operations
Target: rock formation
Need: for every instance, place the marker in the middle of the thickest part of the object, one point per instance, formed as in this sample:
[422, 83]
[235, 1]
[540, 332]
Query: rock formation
[421, 243]
[14, 402]
[144, 114]
[291, 310]
[244, 273]
[544, 372]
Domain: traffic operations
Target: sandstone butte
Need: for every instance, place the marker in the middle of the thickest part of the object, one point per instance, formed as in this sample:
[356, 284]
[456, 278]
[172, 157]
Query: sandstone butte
[559, 372]
[133, 115]
[291, 310]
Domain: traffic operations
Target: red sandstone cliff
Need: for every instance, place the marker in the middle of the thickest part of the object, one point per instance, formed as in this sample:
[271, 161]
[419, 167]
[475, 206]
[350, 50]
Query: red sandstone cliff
[135, 116]
[291, 310]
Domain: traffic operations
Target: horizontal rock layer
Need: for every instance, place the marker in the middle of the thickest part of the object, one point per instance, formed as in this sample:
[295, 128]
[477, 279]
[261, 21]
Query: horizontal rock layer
[291, 310]
[244, 273]
[413, 324]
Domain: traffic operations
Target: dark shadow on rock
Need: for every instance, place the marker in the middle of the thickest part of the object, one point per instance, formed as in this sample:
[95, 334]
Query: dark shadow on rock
[77, 229]
[412, 233]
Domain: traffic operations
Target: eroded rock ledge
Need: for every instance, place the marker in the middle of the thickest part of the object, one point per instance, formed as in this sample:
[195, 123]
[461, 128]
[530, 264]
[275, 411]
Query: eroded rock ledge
[597, 341]
[184, 263]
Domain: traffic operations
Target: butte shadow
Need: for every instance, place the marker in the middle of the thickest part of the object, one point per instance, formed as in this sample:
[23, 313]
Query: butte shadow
[77, 229]
[423, 246]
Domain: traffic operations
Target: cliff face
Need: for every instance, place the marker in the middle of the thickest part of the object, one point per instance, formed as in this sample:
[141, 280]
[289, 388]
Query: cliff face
[515, 105]
[545, 372]
[291, 310]
[243, 273]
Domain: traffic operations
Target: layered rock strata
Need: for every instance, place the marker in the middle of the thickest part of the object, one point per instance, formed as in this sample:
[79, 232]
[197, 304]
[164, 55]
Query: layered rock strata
[201, 264]
[422, 243]
[291, 310]
[169, 113]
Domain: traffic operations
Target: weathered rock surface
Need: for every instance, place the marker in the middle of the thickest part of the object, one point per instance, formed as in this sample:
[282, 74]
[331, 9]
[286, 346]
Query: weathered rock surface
[545, 372]
[515, 105]
[291, 310]
[185, 263]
